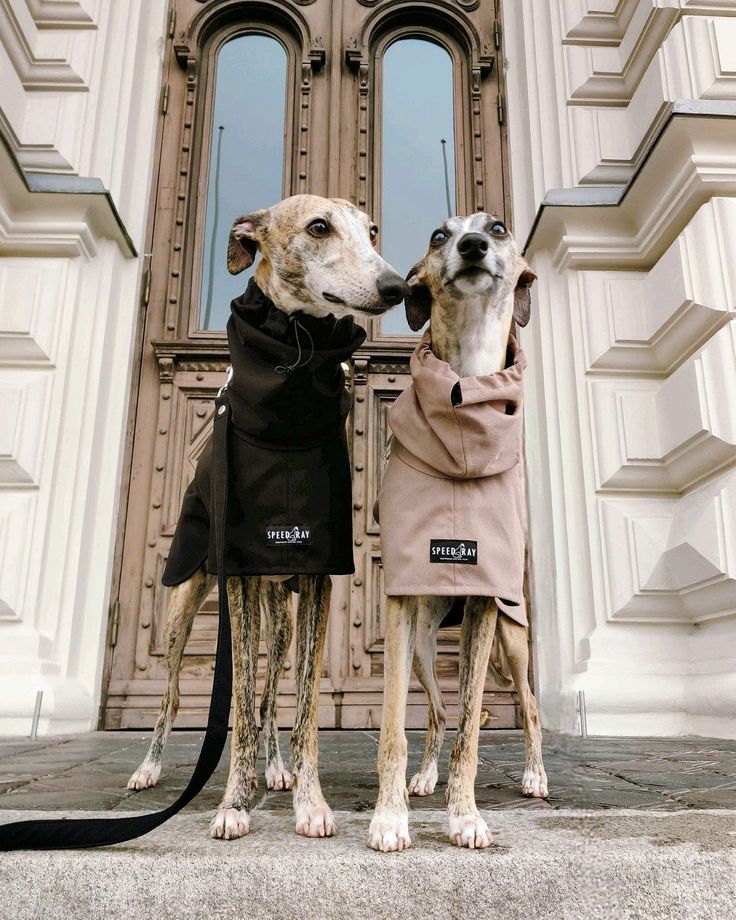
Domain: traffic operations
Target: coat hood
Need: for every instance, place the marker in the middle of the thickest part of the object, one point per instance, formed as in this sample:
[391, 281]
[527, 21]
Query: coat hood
[461, 427]
[288, 386]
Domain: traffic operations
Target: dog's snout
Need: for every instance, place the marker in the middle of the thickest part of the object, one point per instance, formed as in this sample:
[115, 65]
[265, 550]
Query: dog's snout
[392, 288]
[472, 246]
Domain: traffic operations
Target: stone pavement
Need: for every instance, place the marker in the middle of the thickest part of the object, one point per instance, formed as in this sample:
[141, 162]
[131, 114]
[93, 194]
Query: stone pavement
[91, 771]
[634, 829]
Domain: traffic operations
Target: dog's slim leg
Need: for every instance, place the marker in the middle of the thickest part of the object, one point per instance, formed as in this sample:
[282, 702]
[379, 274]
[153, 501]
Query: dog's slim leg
[467, 828]
[389, 828]
[232, 818]
[431, 612]
[313, 816]
[515, 644]
[184, 601]
[276, 607]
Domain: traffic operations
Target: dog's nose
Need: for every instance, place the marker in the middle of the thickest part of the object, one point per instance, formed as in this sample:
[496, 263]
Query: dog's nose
[392, 288]
[472, 247]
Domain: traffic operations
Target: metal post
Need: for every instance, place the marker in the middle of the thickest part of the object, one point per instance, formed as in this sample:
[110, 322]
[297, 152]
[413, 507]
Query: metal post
[583, 714]
[447, 179]
[36, 715]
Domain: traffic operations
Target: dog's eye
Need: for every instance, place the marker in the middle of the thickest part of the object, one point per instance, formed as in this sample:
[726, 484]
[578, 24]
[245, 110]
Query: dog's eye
[498, 229]
[318, 228]
[438, 238]
[374, 232]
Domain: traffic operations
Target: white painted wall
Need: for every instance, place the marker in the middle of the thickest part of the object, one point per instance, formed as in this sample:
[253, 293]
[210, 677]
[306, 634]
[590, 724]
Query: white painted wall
[631, 409]
[79, 86]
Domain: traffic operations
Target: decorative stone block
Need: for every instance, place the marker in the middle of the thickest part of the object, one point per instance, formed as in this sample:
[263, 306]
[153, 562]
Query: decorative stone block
[669, 560]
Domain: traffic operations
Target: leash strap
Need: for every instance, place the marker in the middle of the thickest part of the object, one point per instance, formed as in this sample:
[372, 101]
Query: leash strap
[64, 833]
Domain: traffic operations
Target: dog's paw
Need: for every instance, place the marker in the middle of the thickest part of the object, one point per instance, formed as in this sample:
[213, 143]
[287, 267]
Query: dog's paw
[230, 823]
[389, 832]
[145, 776]
[534, 782]
[470, 831]
[423, 783]
[315, 821]
[278, 777]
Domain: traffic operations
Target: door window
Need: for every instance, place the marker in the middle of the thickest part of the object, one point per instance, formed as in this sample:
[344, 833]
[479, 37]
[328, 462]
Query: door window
[417, 189]
[246, 158]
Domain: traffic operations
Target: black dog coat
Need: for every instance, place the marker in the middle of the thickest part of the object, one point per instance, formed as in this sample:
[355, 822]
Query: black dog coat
[289, 489]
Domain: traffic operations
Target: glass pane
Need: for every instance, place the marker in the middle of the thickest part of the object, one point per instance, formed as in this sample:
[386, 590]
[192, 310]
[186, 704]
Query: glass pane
[417, 116]
[246, 158]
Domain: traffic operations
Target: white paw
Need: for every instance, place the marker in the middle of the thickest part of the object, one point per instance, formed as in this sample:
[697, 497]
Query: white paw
[145, 776]
[389, 832]
[315, 821]
[534, 782]
[470, 831]
[278, 777]
[230, 823]
[423, 783]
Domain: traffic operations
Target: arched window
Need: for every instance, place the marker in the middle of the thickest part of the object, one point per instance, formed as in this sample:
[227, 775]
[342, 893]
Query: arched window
[246, 161]
[417, 170]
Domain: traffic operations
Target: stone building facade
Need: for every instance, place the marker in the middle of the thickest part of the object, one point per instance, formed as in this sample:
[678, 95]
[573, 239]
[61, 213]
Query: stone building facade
[605, 130]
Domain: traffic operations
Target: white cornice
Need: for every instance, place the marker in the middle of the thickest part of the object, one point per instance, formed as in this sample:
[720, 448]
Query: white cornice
[692, 160]
[75, 212]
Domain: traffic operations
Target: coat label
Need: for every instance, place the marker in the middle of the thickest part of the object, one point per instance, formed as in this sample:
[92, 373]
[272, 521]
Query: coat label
[461, 552]
[296, 535]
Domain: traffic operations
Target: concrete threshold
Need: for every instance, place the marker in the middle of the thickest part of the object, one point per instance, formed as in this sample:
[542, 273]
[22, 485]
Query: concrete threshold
[564, 864]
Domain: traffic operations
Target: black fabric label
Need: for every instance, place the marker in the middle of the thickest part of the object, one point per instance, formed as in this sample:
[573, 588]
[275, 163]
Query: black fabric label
[294, 535]
[461, 552]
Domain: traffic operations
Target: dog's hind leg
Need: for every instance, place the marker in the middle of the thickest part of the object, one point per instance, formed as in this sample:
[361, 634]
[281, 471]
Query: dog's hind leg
[514, 640]
[389, 828]
[232, 819]
[432, 611]
[313, 816]
[467, 828]
[185, 600]
[276, 608]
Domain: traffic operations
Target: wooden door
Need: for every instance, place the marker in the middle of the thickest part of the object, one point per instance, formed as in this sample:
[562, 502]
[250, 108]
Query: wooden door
[339, 72]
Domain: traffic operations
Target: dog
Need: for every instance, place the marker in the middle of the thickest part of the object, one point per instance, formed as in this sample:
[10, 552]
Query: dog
[318, 259]
[470, 284]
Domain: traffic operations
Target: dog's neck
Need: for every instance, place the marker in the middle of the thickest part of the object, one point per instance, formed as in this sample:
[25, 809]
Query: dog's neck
[471, 334]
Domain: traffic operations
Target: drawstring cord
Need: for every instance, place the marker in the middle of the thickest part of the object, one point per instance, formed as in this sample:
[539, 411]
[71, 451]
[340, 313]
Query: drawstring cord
[289, 369]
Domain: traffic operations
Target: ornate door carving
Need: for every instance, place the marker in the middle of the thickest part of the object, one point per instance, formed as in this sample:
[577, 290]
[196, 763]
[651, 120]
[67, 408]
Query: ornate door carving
[334, 85]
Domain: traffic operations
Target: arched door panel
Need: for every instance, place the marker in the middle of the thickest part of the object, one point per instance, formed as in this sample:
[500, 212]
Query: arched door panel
[263, 100]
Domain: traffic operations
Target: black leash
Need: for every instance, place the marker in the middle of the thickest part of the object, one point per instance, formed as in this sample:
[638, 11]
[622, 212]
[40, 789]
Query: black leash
[64, 833]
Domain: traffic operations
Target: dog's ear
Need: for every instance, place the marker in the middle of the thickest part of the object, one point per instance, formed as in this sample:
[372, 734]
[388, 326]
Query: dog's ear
[245, 236]
[523, 296]
[418, 300]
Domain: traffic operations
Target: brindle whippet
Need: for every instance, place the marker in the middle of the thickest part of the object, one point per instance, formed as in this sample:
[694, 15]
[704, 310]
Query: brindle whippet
[470, 284]
[317, 255]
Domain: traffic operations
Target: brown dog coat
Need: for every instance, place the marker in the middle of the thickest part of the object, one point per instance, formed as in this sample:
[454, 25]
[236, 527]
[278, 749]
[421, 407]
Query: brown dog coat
[452, 503]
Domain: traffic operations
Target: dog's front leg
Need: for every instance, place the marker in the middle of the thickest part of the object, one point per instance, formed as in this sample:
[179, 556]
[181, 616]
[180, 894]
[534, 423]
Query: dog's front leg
[467, 828]
[389, 828]
[185, 600]
[313, 816]
[232, 819]
[276, 607]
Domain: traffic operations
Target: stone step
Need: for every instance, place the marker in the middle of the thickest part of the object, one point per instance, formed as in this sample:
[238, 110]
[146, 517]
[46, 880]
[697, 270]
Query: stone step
[564, 864]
